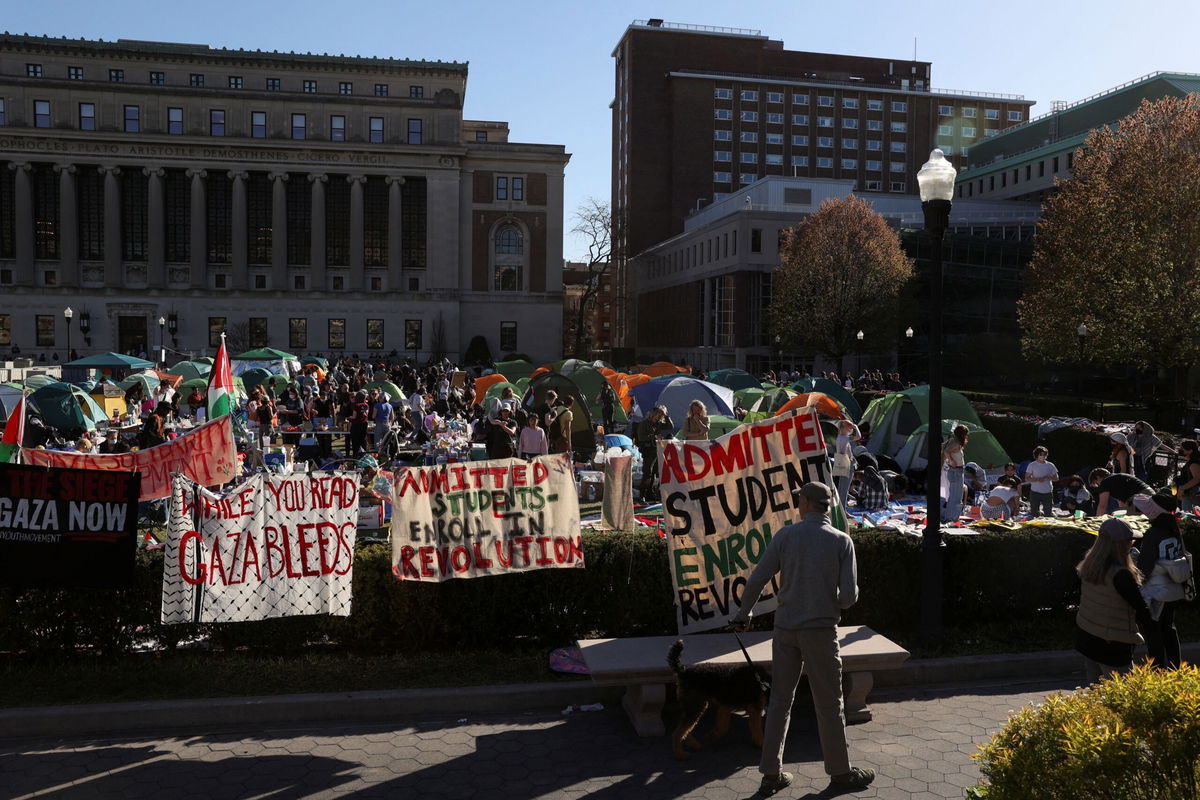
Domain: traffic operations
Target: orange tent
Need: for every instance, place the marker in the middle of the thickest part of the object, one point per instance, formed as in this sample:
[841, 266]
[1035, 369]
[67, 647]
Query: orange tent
[822, 402]
[663, 368]
[619, 382]
[172, 380]
[486, 382]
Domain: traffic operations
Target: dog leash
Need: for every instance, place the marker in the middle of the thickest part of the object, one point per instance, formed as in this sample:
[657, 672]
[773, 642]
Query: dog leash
[763, 684]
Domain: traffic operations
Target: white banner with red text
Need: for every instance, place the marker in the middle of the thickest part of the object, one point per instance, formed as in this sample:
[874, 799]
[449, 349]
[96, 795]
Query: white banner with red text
[480, 518]
[274, 546]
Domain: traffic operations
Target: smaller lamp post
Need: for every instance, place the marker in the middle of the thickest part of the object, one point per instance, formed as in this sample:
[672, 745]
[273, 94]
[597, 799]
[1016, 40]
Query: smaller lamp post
[1081, 334]
[173, 328]
[778, 354]
[67, 314]
[859, 337]
[908, 334]
[162, 347]
[85, 327]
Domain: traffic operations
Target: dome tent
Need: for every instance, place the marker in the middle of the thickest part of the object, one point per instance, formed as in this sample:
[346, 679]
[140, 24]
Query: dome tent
[982, 447]
[733, 378]
[834, 390]
[896, 416]
[583, 437]
[591, 384]
[677, 393]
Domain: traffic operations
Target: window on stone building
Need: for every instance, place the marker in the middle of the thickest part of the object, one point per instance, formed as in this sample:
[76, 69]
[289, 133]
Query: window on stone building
[413, 334]
[45, 211]
[374, 334]
[45, 330]
[415, 131]
[89, 192]
[116, 75]
[2, 118]
[41, 113]
[337, 222]
[345, 87]
[235, 81]
[216, 122]
[509, 252]
[175, 121]
[272, 84]
[310, 87]
[75, 73]
[299, 220]
[219, 214]
[508, 336]
[299, 126]
[196, 79]
[299, 282]
[258, 124]
[158, 78]
[298, 333]
[135, 211]
[337, 334]
[8, 241]
[5, 329]
[259, 198]
[216, 326]
[376, 130]
[375, 222]
[337, 128]
[87, 116]
[413, 222]
[133, 119]
[381, 90]
[33, 70]
[177, 214]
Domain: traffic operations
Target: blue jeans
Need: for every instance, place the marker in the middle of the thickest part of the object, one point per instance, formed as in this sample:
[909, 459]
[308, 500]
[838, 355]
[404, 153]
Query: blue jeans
[954, 497]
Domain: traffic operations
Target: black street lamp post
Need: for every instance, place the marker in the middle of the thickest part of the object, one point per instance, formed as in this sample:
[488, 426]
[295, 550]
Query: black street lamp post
[1081, 334]
[908, 334]
[778, 355]
[67, 314]
[936, 182]
[162, 344]
[858, 366]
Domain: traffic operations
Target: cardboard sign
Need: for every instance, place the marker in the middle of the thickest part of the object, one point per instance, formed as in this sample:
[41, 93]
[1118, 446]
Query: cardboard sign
[206, 455]
[723, 500]
[485, 518]
[67, 527]
[271, 547]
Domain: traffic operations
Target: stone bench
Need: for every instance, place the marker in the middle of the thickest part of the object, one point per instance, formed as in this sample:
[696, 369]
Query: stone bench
[640, 665]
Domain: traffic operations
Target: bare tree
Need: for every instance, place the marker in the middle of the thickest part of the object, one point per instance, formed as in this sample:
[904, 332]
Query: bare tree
[237, 337]
[594, 224]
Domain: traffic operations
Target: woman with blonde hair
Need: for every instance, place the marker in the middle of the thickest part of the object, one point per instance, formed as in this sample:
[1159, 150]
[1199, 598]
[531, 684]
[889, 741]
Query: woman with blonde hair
[1110, 602]
[696, 424]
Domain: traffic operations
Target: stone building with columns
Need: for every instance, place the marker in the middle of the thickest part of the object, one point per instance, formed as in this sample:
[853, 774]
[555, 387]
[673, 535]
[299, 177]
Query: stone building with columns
[313, 203]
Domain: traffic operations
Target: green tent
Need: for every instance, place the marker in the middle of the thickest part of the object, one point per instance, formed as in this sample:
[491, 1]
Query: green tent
[191, 369]
[110, 361]
[518, 368]
[834, 390]
[896, 416]
[583, 437]
[497, 388]
[264, 354]
[35, 382]
[982, 447]
[746, 398]
[254, 377]
[719, 425]
[388, 388]
[591, 383]
[733, 379]
[323, 363]
[193, 383]
[67, 408]
[148, 383]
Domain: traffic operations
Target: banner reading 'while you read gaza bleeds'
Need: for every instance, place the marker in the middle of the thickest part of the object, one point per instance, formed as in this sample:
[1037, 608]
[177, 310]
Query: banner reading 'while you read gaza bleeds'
[723, 500]
[274, 546]
[485, 518]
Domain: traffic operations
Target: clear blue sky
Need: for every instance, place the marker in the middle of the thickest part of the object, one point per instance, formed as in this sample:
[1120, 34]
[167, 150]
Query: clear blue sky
[545, 66]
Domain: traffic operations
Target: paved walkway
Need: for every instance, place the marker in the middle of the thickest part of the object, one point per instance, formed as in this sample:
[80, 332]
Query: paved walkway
[920, 743]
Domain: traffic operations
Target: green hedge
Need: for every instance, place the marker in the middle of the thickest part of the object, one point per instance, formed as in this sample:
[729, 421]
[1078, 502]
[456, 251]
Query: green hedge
[624, 591]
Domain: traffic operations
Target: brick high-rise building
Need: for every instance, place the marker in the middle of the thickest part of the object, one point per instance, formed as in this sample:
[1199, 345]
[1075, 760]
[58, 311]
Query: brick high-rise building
[699, 112]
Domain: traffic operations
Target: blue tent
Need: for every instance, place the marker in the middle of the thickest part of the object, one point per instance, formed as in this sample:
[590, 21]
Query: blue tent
[677, 392]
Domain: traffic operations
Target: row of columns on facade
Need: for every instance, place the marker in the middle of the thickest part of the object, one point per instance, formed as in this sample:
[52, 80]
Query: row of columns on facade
[156, 234]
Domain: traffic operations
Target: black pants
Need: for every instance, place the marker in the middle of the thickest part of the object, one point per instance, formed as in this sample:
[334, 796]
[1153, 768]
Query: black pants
[1162, 640]
[358, 438]
[649, 468]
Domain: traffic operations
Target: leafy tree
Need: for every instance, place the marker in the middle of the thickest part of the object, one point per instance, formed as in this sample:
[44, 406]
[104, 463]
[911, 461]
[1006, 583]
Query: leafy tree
[841, 270]
[594, 224]
[1118, 246]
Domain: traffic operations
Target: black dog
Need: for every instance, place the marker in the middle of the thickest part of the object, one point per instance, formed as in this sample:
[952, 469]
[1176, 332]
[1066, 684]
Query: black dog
[727, 687]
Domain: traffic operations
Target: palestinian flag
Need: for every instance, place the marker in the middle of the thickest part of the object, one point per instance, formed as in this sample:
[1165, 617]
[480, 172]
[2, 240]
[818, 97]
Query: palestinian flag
[220, 384]
[14, 433]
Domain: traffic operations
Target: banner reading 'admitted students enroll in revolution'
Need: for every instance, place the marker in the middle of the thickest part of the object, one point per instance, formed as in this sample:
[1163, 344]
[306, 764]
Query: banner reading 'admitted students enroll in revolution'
[276, 546]
[485, 518]
[723, 500]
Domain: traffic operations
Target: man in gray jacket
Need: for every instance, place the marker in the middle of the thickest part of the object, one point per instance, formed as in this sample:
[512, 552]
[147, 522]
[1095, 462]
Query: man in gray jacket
[818, 578]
